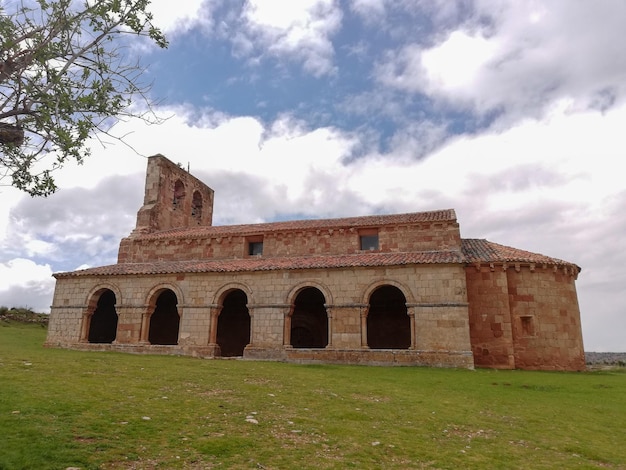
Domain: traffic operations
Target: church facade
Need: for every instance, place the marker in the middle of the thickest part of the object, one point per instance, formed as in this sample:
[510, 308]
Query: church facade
[402, 289]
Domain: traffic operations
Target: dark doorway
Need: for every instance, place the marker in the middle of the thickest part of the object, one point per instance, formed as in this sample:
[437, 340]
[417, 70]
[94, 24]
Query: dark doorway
[164, 322]
[103, 324]
[388, 325]
[233, 324]
[309, 322]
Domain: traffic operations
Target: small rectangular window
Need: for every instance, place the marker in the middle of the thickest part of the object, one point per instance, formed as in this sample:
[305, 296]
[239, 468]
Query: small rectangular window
[255, 248]
[528, 329]
[369, 242]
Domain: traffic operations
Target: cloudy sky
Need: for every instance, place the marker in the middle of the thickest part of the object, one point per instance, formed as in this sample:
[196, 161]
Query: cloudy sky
[512, 113]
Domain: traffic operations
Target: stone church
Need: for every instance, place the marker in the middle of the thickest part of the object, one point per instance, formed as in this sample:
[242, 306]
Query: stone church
[400, 289]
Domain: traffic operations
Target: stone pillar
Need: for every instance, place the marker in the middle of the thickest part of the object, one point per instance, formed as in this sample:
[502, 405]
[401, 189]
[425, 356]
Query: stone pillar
[287, 327]
[345, 326]
[364, 312]
[253, 326]
[84, 327]
[145, 327]
[267, 331]
[214, 313]
[411, 313]
[329, 314]
[129, 324]
[267, 325]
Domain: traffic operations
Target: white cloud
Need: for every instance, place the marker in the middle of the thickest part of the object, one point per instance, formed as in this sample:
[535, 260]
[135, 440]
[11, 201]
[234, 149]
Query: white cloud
[24, 283]
[298, 31]
[520, 57]
[178, 17]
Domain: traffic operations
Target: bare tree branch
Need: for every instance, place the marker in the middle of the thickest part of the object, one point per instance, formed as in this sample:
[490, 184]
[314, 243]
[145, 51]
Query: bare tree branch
[64, 78]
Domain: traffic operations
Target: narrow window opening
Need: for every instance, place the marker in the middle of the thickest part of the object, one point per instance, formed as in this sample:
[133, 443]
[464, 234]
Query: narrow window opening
[528, 328]
[179, 194]
[196, 205]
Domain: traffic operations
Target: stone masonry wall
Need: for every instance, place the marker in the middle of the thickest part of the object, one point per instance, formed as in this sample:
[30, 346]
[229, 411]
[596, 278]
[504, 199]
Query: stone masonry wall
[547, 332]
[424, 237]
[526, 317]
[490, 317]
[435, 295]
[169, 198]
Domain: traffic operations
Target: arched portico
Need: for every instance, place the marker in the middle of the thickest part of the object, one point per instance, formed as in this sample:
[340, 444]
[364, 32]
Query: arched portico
[309, 323]
[233, 323]
[100, 320]
[388, 323]
[164, 321]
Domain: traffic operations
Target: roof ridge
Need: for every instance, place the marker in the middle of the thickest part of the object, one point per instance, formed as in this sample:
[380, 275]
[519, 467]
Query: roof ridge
[301, 224]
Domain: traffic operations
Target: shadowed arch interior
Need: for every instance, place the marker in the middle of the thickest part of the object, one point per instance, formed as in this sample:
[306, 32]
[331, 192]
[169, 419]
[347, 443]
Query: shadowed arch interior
[309, 322]
[233, 324]
[196, 205]
[179, 193]
[103, 324]
[165, 321]
[388, 325]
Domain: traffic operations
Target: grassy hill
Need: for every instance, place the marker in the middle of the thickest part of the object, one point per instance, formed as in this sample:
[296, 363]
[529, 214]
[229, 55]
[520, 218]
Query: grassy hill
[61, 409]
[22, 315]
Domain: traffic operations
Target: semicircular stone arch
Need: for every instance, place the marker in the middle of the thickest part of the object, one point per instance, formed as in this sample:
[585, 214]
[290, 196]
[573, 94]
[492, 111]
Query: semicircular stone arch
[388, 321]
[154, 292]
[295, 290]
[367, 293]
[94, 293]
[164, 325]
[222, 292]
[233, 322]
[101, 318]
[308, 326]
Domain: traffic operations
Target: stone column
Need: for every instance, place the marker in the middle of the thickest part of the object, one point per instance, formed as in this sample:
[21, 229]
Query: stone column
[84, 327]
[364, 312]
[411, 313]
[287, 327]
[329, 314]
[145, 327]
[252, 326]
[214, 313]
[129, 324]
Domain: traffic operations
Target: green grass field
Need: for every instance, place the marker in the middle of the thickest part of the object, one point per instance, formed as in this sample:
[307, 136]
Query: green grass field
[61, 409]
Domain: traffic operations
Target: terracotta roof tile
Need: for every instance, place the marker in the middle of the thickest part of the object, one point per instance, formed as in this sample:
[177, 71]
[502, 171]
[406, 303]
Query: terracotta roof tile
[271, 264]
[483, 251]
[446, 215]
[473, 251]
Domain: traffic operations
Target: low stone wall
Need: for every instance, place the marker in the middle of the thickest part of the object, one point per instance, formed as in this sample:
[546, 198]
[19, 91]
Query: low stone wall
[371, 357]
[382, 357]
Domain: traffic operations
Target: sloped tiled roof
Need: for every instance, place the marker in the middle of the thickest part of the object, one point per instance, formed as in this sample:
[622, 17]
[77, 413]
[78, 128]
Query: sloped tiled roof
[483, 251]
[473, 251]
[271, 264]
[446, 215]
